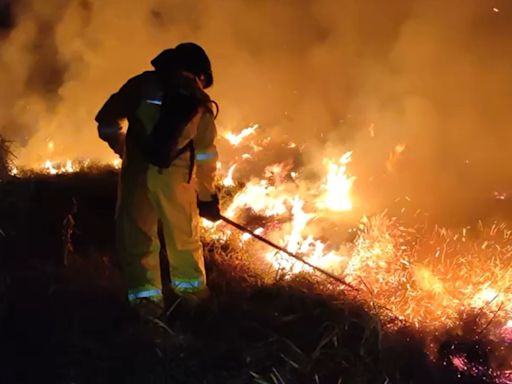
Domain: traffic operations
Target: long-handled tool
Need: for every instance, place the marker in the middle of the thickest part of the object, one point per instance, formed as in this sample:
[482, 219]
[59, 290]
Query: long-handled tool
[284, 250]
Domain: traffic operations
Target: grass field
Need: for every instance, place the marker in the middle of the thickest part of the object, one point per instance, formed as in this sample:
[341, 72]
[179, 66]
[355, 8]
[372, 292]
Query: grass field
[64, 318]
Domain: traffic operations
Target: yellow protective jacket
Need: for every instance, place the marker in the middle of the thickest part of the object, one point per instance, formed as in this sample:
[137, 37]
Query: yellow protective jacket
[140, 102]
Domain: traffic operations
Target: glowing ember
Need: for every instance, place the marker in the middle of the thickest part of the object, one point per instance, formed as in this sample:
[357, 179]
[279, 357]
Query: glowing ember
[504, 378]
[51, 146]
[427, 281]
[394, 156]
[459, 362]
[500, 195]
[116, 163]
[371, 130]
[506, 331]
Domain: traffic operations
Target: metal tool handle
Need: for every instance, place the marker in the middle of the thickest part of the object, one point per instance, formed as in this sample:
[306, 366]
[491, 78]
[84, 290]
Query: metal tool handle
[284, 250]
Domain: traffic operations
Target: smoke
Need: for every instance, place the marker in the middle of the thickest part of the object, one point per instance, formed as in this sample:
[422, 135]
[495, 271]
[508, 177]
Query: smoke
[336, 75]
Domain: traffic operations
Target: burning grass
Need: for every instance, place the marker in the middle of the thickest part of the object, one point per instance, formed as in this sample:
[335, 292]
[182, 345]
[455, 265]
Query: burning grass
[66, 167]
[435, 344]
[423, 275]
[72, 324]
[432, 303]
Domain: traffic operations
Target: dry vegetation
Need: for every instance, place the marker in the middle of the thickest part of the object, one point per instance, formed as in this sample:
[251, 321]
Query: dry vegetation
[71, 324]
[5, 158]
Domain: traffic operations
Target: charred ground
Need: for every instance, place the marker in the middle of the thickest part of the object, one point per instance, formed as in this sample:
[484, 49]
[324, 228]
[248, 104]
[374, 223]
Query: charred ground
[69, 323]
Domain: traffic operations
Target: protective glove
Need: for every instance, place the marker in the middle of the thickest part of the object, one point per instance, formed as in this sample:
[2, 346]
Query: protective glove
[209, 209]
[114, 136]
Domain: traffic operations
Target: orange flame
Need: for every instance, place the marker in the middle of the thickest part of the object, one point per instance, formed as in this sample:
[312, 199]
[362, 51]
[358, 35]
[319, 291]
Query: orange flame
[228, 180]
[337, 185]
[236, 139]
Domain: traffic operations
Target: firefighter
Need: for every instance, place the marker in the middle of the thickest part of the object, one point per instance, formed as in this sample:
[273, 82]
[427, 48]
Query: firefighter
[168, 170]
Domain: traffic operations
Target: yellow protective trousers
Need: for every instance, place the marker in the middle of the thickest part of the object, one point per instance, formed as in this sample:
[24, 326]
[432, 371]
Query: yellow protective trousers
[146, 196]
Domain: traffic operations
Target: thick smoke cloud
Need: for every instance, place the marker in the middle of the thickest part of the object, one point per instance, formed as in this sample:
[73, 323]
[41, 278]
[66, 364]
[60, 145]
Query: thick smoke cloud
[433, 75]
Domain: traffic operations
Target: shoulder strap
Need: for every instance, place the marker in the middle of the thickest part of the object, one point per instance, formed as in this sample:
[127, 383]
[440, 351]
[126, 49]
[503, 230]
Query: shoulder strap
[192, 161]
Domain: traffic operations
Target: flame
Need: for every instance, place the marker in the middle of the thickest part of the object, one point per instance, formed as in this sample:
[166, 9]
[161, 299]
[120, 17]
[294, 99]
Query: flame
[277, 172]
[313, 250]
[337, 185]
[299, 221]
[117, 163]
[423, 276]
[485, 296]
[228, 180]
[54, 165]
[408, 278]
[48, 166]
[261, 198]
[246, 236]
[427, 281]
[56, 168]
[236, 139]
